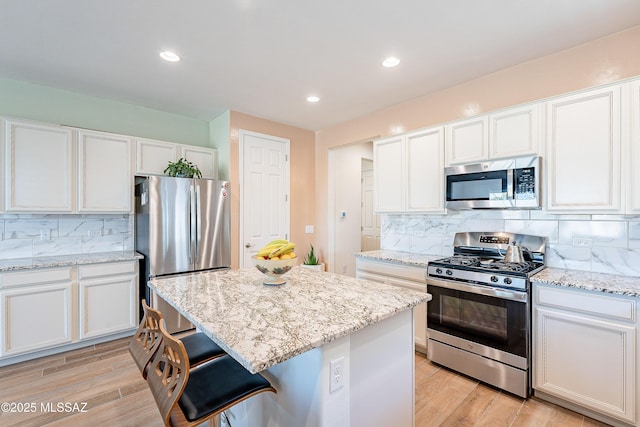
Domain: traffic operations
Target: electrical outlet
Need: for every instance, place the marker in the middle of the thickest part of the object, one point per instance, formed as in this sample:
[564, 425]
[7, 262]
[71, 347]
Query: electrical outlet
[336, 374]
[95, 233]
[582, 242]
[308, 229]
[45, 234]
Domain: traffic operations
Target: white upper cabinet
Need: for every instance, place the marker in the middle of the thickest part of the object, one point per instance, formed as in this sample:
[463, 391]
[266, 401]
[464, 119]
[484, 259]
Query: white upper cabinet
[633, 165]
[583, 152]
[39, 167]
[408, 172]
[467, 140]
[104, 170]
[388, 167]
[152, 156]
[205, 158]
[514, 132]
[508, 133]
[425, 167]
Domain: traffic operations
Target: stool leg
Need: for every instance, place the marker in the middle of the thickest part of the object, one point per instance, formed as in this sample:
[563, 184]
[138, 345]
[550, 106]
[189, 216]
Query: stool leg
[215, 421]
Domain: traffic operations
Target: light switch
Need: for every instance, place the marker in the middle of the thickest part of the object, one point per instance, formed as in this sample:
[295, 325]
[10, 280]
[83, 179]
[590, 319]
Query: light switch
[308, 229]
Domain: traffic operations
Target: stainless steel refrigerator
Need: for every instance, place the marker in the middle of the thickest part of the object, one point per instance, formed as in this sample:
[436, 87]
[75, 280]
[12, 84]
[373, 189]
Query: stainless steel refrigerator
[181, 226]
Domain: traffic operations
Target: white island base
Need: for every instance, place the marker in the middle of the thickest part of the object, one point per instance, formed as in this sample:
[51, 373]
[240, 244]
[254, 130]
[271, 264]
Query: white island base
[378, 383]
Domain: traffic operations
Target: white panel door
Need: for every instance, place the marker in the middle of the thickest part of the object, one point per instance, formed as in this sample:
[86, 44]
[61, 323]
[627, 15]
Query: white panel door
[39, 168]
[583, 152]
[264, 192]
[104, 171]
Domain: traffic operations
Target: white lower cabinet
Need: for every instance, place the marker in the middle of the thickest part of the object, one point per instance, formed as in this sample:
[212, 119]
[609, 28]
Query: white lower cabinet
[405, 277]
[108, 298]
[36, 309]
[585, 351]
[49, 310]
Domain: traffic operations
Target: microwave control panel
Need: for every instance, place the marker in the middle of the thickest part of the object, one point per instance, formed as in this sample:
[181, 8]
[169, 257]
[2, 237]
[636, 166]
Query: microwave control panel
[525, 183]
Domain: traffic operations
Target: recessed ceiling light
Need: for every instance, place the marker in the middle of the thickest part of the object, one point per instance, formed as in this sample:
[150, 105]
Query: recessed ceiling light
[313, 98]
[390, 62]
[169, 56]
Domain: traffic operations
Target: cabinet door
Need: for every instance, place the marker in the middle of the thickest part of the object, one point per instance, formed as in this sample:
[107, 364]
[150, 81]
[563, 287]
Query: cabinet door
[388, 174]
[632, 177]
[586, 361]
[583, 152]
[514, 132]
[108, 298]
[425, 171]
[104, 171]
[36, 317]
[39, 168]
[152, 157]
[107, 305]
[467, 141]
[205, 158]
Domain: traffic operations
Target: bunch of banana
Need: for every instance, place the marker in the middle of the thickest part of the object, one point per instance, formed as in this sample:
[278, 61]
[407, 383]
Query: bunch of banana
[277, 249]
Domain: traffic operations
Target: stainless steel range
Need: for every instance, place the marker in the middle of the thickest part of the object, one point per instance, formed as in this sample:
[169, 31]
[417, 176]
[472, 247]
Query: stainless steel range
[479, 320]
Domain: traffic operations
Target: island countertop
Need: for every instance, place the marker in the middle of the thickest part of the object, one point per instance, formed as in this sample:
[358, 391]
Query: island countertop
[261, 326]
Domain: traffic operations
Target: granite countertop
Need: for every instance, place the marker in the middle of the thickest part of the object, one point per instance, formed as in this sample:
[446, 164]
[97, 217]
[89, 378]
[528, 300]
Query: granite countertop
[609, 283]
[66, 260]
[261, 325]
[407, 258]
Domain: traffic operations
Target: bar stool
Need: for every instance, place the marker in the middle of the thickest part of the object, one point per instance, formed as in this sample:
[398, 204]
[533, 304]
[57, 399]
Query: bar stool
[188, 397]
[146, 340]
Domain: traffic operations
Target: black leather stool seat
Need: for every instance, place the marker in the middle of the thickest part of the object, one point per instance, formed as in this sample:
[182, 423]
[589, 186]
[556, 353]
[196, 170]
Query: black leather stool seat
[200, 348]
[216, 385]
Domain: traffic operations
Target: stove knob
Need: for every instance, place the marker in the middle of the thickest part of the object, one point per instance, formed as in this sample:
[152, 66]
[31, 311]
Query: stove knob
[507, 280]
[438, 271]
[494, 279]
[449, 272]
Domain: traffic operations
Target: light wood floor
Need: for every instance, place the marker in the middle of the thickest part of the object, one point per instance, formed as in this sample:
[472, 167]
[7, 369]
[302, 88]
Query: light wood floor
[105, 378]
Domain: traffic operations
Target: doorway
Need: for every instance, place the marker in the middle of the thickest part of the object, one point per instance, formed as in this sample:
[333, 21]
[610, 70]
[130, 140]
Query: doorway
[345, 204]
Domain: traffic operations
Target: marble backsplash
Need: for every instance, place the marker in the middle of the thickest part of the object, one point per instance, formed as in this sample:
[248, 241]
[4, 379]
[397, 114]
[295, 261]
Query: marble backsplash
[613, 246]
[21, 236]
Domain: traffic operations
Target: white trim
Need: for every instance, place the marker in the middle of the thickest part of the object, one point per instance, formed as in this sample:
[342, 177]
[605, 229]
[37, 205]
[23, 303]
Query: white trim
[241, 135]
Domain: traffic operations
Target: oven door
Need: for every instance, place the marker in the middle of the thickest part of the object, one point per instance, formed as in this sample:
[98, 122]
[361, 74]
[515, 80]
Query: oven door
[497, 319]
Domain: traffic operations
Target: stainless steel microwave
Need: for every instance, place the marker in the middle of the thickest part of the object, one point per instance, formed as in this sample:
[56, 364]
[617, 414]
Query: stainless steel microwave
[496, 184]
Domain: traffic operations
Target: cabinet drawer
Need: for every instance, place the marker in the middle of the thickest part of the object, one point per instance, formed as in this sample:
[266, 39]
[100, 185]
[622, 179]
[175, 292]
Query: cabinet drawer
[416, 274]
[32, 277]
[109, 269]
[595, 303]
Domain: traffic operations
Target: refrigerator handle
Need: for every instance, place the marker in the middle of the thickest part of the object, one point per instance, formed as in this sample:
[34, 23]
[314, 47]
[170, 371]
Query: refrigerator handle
[198, 222]
[192, 224]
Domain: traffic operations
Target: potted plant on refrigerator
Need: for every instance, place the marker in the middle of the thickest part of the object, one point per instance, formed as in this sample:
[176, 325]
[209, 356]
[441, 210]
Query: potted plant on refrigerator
[183, 169]
[311, 261]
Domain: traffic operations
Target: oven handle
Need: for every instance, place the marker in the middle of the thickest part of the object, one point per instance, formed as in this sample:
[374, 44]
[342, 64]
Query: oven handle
[479, 289]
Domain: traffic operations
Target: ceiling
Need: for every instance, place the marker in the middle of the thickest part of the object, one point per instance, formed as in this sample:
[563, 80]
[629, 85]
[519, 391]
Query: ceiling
[264, 57]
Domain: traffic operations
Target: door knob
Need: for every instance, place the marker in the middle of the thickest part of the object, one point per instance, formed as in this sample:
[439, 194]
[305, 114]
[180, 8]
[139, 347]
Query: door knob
[248, 245]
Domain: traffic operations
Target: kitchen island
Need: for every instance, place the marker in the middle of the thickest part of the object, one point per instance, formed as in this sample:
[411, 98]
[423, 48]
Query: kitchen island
[339, 350]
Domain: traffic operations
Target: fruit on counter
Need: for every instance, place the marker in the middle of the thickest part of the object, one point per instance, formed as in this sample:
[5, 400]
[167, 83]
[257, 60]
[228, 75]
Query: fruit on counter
[277, 249]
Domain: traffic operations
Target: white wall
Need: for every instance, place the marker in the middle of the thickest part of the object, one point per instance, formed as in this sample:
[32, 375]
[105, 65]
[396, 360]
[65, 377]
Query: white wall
[345, 166]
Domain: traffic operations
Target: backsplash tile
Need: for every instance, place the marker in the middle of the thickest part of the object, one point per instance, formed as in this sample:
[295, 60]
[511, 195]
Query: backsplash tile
[614, 239]
[20, 235]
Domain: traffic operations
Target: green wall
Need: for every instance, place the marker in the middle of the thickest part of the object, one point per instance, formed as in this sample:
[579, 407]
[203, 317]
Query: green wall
[46, 104]
[219, 137]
